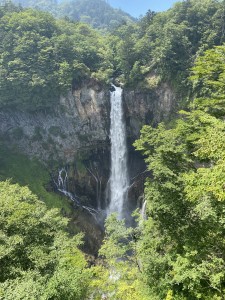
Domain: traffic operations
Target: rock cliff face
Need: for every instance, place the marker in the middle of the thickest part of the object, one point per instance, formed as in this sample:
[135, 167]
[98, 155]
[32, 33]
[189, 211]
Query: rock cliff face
[75, 135]
[79, 122]
[147, 107]
[142, 107]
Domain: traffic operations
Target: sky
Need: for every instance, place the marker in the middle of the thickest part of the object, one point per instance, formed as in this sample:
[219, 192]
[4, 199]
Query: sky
[139, 7]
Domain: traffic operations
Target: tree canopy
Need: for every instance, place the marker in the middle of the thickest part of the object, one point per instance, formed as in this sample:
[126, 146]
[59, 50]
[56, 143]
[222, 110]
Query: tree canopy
[168, 42]
[38, 259]
[182, 245]
[41, 58]
[97, 13]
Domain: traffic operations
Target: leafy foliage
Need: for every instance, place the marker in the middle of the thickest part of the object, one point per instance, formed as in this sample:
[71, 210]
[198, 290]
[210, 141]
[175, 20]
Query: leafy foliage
[208, 78]
[178, 252]
[119, 278]
[168, 42]
[67, 53]
[41, 58]
[183, 236]
[37, 258]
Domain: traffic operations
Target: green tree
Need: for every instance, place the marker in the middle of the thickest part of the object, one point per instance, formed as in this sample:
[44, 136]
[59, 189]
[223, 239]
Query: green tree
[118, 278]
[41, 59]
[38, 259]
[168, 42]
[98, 13]
[208, 76]
[182, 246]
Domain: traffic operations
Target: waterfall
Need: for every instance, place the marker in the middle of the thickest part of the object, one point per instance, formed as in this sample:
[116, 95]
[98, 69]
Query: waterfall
[62, 186]
[119, 180]
[143, 210]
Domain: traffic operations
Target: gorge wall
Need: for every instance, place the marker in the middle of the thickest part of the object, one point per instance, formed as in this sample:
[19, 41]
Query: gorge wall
[75, 134]
[144, 106]
[148, 106]
[79, 121]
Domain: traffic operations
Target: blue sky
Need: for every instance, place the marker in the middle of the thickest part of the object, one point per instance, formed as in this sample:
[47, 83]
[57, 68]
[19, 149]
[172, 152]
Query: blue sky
[140, 7]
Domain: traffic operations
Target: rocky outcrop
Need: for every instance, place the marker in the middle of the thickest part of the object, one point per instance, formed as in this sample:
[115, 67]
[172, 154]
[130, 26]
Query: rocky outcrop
[147, 106]
[78, 123]
[144, 106]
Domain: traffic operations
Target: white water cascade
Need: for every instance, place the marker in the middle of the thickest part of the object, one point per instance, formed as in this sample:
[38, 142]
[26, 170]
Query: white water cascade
[61, 185]
[119, 179]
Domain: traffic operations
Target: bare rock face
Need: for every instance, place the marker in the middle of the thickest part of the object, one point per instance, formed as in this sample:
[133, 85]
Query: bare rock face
[147, 107]
[144, 106]
[79, 122]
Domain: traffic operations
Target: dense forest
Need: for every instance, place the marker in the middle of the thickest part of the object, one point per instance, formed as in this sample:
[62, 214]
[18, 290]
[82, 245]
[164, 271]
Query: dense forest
[39, 53]
[97, 13]
[176, 251]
